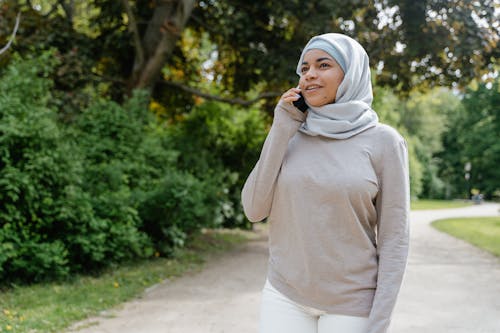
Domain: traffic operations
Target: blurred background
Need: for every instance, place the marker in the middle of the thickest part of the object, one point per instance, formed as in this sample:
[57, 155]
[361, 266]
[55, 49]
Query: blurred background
[126, 126]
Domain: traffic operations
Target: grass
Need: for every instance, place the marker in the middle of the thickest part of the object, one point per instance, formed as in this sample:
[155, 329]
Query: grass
[481, 232]
[52, 307]
[425, 204]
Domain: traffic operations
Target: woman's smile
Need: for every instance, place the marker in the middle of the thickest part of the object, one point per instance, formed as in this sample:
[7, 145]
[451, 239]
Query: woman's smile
[312, 88]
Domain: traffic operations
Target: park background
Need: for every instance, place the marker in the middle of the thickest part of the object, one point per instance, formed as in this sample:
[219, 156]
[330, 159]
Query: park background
[129, 126]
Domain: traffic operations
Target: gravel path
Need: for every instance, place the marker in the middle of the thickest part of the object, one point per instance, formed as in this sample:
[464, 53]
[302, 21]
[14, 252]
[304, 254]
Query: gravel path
[449, 286]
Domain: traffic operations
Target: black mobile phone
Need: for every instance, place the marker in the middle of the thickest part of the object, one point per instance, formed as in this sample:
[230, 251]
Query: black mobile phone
[301, 103]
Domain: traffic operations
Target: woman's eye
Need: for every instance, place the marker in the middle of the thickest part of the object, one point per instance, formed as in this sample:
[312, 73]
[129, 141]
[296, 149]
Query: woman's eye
[303, 69]
[324, 65]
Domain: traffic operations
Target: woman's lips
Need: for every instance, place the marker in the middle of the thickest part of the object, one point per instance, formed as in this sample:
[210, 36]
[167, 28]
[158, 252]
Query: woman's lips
[312, 88]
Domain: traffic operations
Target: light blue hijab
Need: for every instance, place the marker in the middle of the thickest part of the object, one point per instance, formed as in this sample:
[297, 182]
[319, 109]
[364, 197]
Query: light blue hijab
[351, 113]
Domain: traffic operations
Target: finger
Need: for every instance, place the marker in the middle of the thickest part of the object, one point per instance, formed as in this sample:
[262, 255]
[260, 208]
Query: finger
[291, 97]
[293, 92]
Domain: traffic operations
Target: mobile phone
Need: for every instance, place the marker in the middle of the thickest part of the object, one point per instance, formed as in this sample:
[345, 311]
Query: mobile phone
[301, 103]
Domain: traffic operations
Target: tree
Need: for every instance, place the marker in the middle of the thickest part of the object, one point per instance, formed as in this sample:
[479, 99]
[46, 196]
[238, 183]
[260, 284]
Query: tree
[126, 44]
[157, 43]
[410, 42]
[99, 28]
[445, 42]
[472, 139]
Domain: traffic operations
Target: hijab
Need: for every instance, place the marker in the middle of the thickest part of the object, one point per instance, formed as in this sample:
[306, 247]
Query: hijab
[351, 113]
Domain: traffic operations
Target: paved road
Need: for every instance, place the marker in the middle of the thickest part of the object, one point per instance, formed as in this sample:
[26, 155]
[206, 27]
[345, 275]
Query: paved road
[450, 286]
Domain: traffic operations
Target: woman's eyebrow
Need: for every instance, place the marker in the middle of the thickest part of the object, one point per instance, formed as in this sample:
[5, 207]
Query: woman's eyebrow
[317, 60]
[321, 59]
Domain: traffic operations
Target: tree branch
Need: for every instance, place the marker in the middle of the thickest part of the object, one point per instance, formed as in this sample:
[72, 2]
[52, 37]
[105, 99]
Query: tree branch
[105, 78]
[163, 31]
[6, 47]
[134, 30]
[234, 101]
[69, 9]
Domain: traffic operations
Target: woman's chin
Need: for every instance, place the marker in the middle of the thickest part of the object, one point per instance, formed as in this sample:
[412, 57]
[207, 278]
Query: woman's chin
[316, 104]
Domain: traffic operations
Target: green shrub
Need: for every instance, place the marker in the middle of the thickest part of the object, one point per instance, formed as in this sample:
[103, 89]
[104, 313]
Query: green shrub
[39, 170]
[123, 155]
[113, 185]
[132, 175]
[220, 139]
[54, 217]
[180, 205]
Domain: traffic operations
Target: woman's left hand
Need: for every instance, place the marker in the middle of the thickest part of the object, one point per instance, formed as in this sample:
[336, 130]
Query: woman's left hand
[291, 95]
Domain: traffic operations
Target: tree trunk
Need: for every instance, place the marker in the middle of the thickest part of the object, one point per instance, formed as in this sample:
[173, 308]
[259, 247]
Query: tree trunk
[158, 42]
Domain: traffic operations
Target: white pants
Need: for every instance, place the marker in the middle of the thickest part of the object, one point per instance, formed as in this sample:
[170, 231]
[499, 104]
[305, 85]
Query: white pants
[278, 314]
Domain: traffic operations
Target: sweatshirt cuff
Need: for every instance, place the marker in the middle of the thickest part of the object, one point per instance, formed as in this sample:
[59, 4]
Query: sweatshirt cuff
[287, 113]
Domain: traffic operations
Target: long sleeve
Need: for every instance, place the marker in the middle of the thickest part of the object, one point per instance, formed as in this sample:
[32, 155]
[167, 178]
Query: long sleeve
[392, 233]
[257, 193]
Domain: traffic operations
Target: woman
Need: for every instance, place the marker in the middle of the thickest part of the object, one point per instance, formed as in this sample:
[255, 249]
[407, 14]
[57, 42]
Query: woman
[334, 185]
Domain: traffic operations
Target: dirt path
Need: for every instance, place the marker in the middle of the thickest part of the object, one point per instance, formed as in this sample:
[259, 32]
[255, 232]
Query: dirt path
[450, 286]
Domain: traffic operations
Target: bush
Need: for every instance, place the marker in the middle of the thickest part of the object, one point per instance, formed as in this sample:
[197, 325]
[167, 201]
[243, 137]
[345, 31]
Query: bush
[39, 172]
[123, 155]
[180, 205]
[219, 139]
[52, 222]
[132, 175]
[113, 185]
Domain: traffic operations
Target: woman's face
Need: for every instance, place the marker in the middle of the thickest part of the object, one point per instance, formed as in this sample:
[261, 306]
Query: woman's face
[320, 78]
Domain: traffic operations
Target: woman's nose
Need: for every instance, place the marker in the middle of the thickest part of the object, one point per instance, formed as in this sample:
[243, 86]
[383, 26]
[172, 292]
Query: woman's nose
[310, 74]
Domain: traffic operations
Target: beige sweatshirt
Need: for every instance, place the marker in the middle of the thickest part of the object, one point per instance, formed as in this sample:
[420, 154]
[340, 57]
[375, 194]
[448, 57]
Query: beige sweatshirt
[338, 216]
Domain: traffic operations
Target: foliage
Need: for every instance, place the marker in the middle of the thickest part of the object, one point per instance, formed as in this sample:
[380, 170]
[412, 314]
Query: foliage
[73, 50]
[442, 42]
[426, 118]
[388, 106]
[39, 180]
[133, 175]
[215, 147]
[390, 109]
[423, 119]
[103, 190]
[426, 114]
[262, 41]
[90, 177]
[473, 138]
[178, 206]
[217, 139]
[252, 45]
